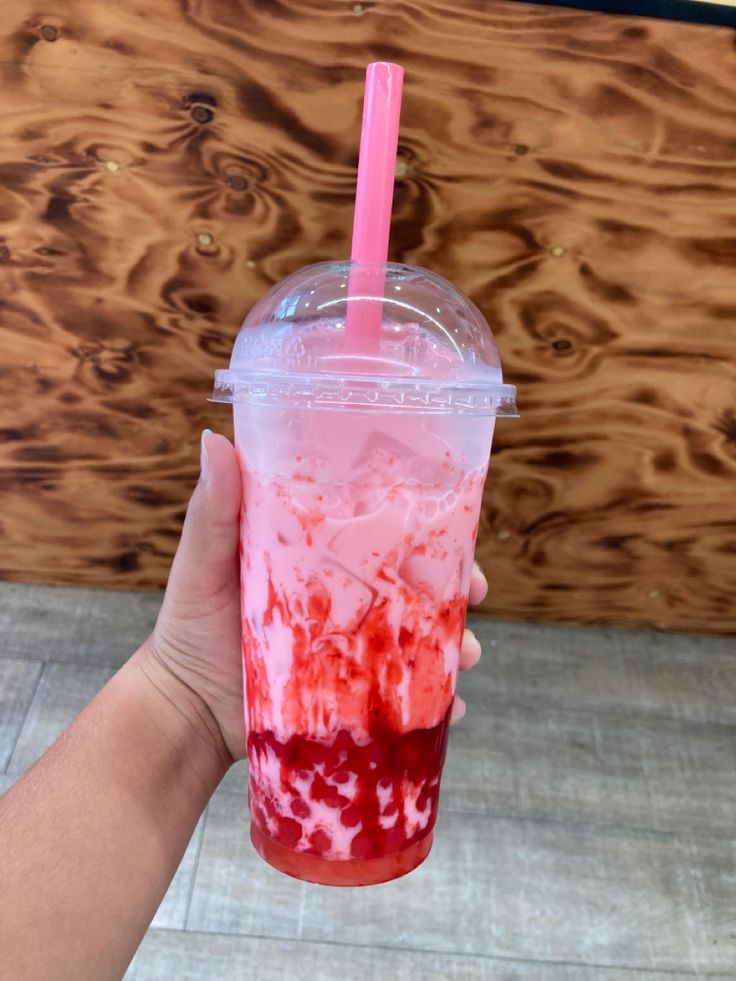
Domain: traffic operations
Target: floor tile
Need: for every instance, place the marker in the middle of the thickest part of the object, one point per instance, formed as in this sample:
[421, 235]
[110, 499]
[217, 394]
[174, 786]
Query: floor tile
[64, 624]
[576, 742]
[236, 779]
[166, 955]
[627, 671]
[62, 693]
[234, 890]
[18, 680]
[546, 891]
[605, 767]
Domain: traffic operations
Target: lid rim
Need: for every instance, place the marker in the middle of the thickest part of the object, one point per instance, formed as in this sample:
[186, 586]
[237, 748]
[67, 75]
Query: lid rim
[418, 395]
[231, 376]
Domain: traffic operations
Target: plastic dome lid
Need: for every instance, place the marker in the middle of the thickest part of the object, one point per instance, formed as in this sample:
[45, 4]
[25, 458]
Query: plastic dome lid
[433, 352]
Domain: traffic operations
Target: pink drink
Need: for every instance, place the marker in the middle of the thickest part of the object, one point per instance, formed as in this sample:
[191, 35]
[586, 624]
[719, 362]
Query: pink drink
[359, 524]
[353, 605]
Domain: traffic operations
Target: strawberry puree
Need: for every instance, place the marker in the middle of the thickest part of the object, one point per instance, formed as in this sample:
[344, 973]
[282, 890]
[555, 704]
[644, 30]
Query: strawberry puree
[354, 601]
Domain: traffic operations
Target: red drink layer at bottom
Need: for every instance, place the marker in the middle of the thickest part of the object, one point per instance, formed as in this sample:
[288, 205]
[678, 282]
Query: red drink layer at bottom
[354, 601]
[380, 770]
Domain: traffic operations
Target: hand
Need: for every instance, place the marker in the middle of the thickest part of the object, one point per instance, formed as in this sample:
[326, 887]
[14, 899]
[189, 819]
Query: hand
[470, 650]
[194, 653]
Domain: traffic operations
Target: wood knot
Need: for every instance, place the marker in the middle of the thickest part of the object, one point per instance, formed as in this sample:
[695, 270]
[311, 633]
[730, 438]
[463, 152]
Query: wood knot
[206, 244]
[202, 106]
[50, 33]
[562, 344]
[520, 149]
[236, 182]
[125, 562]
[202, 114]
[4, 252]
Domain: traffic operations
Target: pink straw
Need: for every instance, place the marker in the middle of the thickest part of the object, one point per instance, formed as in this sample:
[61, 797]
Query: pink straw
[373, 199]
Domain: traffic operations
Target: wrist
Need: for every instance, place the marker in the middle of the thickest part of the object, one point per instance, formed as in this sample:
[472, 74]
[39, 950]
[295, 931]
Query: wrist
[182, 714]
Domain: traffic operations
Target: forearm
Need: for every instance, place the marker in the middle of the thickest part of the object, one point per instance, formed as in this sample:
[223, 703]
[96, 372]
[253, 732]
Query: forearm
[91, 836]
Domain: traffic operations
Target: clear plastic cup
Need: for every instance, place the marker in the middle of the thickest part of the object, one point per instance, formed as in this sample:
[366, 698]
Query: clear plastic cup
[363, 475]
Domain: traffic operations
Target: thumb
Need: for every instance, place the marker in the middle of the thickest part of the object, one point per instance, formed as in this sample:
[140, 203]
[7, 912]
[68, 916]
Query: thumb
[205, 565]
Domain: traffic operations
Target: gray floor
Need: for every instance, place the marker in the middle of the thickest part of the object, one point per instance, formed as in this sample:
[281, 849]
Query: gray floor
[586, 828]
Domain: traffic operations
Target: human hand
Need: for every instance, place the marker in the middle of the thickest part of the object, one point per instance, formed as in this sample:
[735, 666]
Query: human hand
[470, 649]
[194, 653]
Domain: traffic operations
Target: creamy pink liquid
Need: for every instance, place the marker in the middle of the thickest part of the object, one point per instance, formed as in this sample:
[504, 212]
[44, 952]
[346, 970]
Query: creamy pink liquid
[354, 600]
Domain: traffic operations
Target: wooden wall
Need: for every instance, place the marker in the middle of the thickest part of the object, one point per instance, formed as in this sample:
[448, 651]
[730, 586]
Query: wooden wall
[161, 164]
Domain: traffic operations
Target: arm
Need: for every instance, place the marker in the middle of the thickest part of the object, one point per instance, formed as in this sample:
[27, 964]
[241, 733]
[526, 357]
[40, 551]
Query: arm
[91, 836]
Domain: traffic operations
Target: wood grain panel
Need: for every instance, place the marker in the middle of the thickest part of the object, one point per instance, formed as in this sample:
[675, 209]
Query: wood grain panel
[161, 165]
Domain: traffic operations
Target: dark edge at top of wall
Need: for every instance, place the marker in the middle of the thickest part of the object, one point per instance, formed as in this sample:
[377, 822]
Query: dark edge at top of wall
[687, 10]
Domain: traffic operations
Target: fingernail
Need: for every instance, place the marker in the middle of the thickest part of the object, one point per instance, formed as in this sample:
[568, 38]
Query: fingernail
[204, 465]
[480, 572]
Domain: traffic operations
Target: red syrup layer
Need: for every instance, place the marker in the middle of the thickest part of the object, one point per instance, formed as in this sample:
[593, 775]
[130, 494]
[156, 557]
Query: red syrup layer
[350, 872]
[394, 780]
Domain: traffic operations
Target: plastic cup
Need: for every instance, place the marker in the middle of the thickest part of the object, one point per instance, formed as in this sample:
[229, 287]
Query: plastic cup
[363, 476]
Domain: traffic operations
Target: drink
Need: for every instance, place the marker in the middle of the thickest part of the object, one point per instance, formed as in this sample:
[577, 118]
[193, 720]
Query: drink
[354, 606]
[363, 476]
[365, 395]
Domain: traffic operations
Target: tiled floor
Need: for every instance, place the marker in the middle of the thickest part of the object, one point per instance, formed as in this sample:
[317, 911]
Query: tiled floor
[586, 831]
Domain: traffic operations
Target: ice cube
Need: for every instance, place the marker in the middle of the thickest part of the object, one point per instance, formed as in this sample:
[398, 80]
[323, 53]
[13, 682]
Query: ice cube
[372, 545]
[350, 597]
[382, 454]
[430, 569]
[385, 460]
